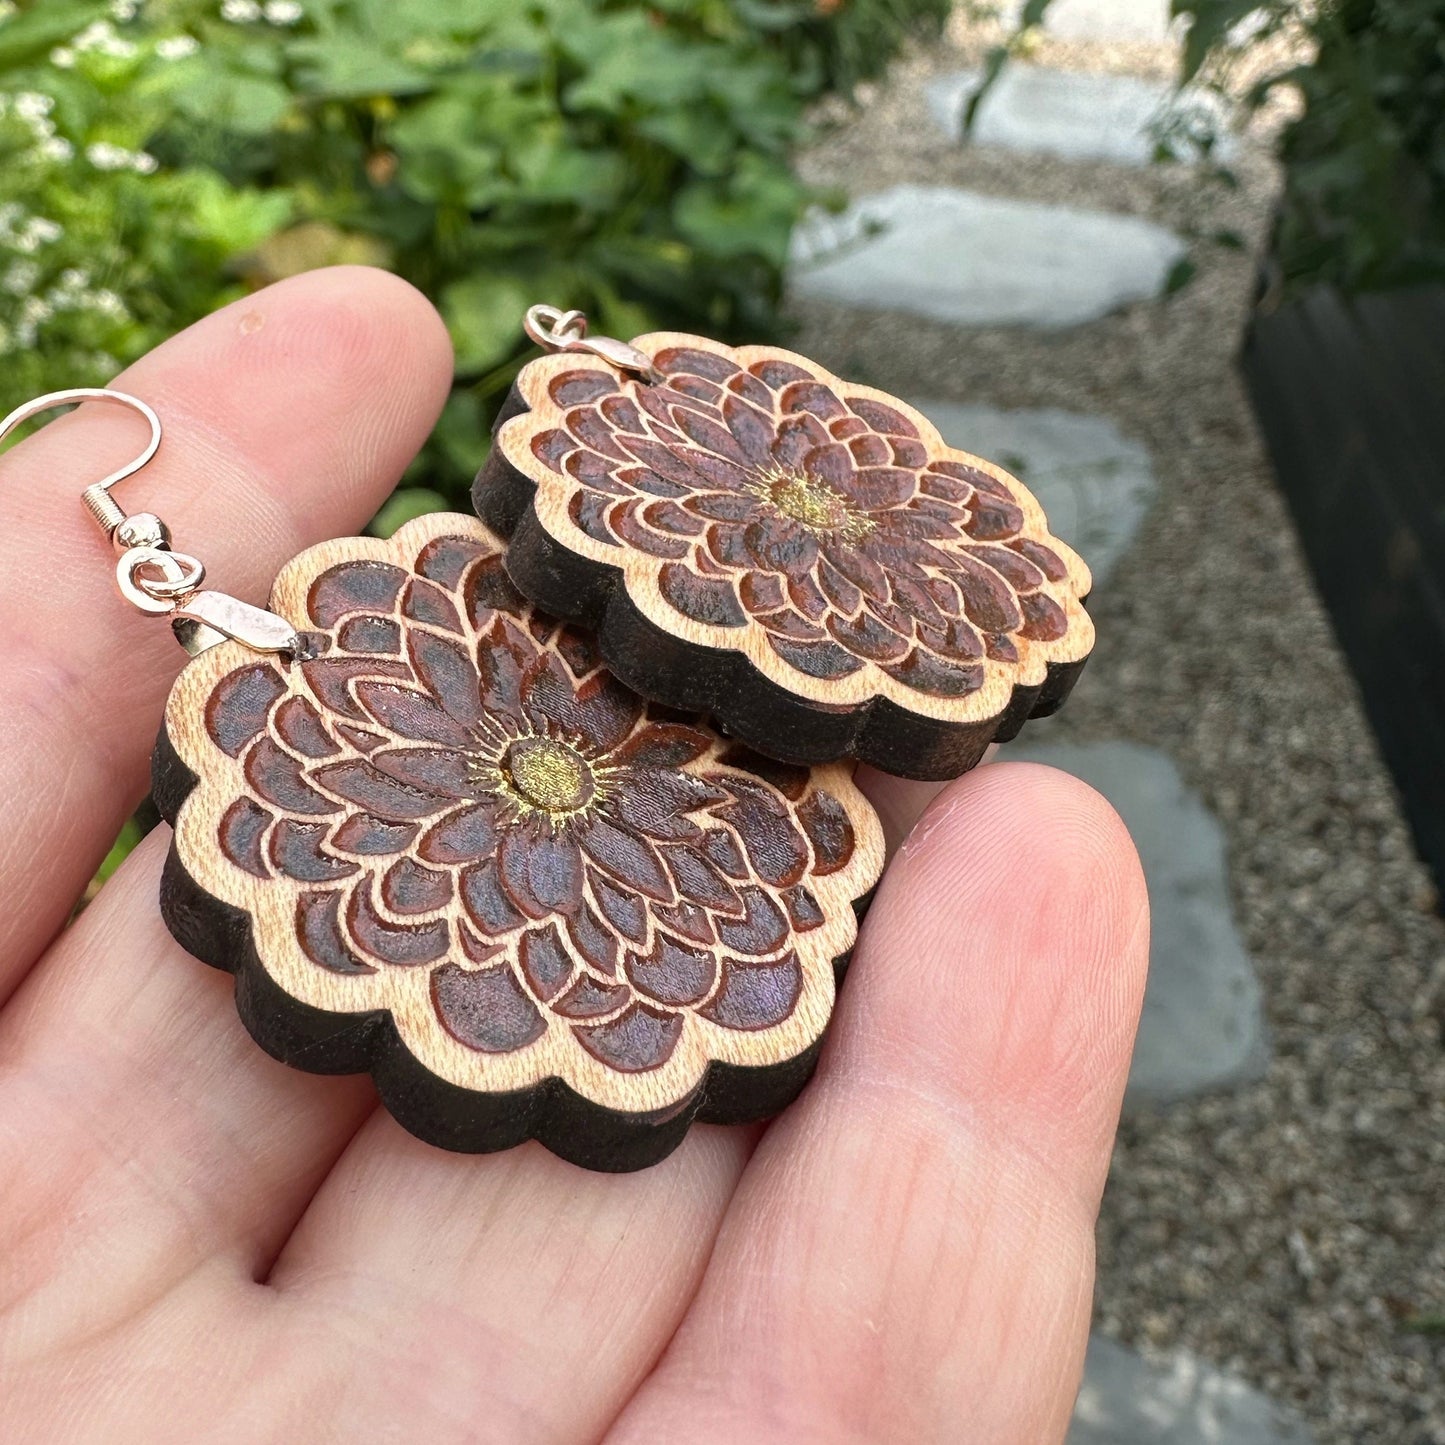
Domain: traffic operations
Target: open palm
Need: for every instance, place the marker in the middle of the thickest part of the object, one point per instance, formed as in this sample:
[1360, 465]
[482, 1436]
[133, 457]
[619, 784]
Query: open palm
[197, 1243]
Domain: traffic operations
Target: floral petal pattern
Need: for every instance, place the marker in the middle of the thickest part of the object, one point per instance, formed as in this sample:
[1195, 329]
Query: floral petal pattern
[449, 811]
[820, 530]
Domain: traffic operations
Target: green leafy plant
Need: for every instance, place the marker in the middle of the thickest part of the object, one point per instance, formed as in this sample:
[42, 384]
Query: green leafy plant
[1364, 199]
[634, 161]
[1364, 204]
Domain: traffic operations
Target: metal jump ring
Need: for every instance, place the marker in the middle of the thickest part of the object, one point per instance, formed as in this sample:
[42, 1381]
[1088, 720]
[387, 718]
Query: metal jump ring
[180, 576]
[555, 330]
[551, 328]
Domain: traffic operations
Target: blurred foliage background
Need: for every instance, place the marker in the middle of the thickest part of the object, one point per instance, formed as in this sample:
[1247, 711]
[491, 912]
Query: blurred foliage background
[158, 159]
[1363, 206]
[1365, 191]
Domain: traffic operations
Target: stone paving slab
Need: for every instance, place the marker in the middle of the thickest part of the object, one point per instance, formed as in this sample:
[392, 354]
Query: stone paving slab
[1126, 1400]
[975, 260]
[1203, 1026]
[1071, 114]
[1291, 1227]
[1094, 483]
[1139, 20]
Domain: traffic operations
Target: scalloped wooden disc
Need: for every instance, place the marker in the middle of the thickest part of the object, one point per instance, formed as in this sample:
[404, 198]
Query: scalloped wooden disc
[447, 846]
[803, 558]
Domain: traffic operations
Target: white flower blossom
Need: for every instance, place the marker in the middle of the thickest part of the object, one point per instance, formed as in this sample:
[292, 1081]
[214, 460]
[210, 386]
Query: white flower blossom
[28, 238]
[20, 278]
[33, 106]
[100, 36]
[20, 230]
[72, 292]
[107, 157]
[177, 47]
[62, 57]
[124, 10]
[240, 12]
[107, 303]
[32, 109]
[34, 310]
[283, 12]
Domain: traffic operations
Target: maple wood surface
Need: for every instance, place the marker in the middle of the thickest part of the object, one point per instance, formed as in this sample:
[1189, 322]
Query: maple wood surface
[446, 845]
[801, 557]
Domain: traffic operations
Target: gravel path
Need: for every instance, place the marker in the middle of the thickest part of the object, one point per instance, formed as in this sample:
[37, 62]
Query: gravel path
[1290, 1229]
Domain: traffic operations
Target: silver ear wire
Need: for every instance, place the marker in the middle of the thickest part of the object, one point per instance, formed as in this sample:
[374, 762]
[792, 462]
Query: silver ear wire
[96, 497]
[148, 573]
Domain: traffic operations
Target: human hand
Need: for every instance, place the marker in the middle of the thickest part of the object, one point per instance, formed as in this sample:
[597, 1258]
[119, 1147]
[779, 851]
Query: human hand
[197, 1243]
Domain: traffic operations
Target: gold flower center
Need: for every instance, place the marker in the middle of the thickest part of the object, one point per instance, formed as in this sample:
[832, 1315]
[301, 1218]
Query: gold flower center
[548, 774]
[814, 504]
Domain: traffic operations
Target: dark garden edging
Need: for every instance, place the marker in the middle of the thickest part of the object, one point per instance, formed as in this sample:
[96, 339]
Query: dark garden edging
[1350, 392]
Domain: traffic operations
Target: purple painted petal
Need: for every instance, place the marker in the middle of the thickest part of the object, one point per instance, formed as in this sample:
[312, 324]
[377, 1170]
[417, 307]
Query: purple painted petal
[486, 1009]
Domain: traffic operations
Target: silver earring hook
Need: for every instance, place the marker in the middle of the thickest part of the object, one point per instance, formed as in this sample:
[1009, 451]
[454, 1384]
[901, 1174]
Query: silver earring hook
[149, 574]
[96, 497]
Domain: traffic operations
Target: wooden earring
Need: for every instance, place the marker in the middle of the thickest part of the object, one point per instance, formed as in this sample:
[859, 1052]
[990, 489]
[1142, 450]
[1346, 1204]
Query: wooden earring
[802, 558]
[451, 811]
[445, 845]
[435, 839]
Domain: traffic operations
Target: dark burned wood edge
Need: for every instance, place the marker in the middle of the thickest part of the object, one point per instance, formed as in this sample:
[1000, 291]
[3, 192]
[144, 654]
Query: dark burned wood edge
[725, 684]
[436, 1111]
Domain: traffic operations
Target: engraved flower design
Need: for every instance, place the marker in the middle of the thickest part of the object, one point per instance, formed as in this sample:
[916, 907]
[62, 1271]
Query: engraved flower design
[449, 810]
[823, 529]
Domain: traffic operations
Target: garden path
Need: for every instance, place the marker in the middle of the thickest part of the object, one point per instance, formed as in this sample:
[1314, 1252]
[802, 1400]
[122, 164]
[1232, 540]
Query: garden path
[1269, 1269]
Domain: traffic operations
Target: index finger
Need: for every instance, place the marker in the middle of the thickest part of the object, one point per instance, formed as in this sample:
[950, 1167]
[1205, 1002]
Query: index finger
[288, 416]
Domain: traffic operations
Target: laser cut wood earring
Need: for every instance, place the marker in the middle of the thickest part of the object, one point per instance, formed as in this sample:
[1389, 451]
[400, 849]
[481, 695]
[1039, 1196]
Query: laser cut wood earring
[435, 839]
[801, 557]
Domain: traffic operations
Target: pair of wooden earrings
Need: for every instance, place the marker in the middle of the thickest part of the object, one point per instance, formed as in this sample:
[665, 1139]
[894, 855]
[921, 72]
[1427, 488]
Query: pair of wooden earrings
[453, 811]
